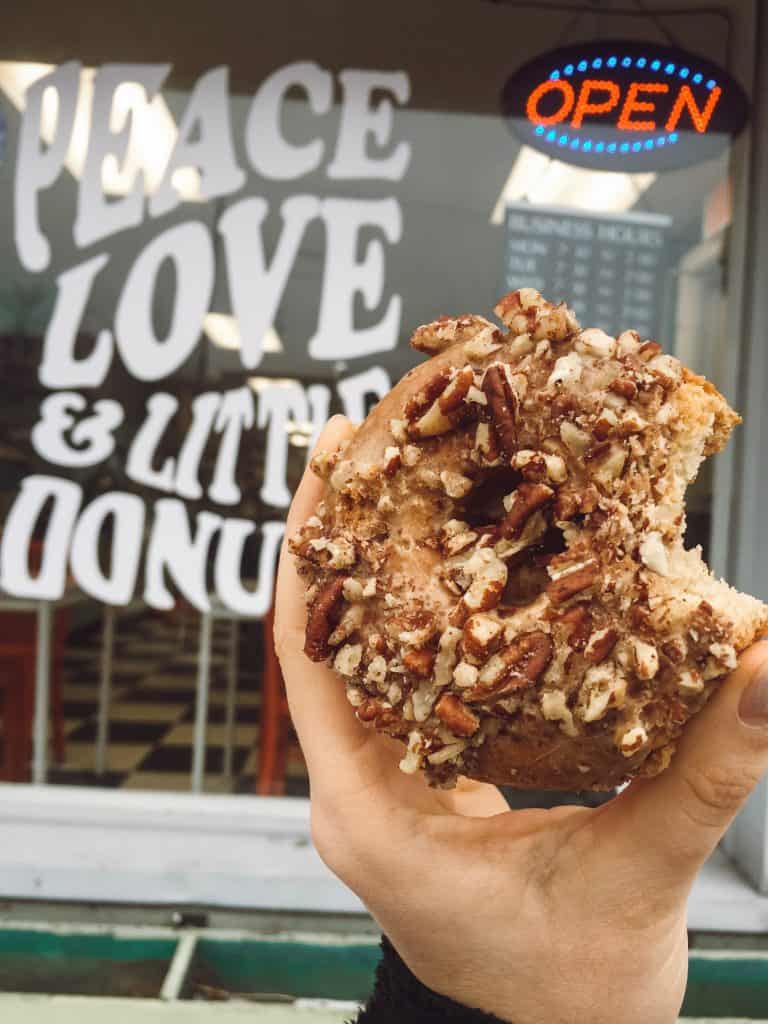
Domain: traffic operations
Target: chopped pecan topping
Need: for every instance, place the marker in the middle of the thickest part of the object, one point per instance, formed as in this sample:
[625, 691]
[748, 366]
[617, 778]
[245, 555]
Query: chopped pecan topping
[455, 536]
[420, 662]
[578, 623]
[603, 428]
[379, 713]
[487, 449]
[457, 616]
[426, 395]
[322, 619]
[448, 330]
[526, 500]
[600, 645]
[481, 635]
[489, 577]
[531, 464]
[518, 309]
[675, 650]
[648, 350]
[606, 462]
[567, 504]
[569, 584]
[424, 412]
[456, 715]
[526, 311]
[392, 460]
[502, 405]
[515, 666]
[623, 386]
[456, 391]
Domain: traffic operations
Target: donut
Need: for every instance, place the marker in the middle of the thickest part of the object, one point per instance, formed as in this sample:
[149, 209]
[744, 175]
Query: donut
[496, 569]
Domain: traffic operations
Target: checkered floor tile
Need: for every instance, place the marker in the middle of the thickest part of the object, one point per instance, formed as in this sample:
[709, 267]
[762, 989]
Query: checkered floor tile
[152, 711]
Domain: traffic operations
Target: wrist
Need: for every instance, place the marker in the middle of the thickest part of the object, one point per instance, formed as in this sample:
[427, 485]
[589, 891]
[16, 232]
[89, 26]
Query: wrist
[399, 994]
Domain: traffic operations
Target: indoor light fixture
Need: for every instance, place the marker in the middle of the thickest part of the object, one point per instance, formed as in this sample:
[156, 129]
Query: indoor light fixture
[224, 332]
[259, 384]
[152, 137]
[544, 181]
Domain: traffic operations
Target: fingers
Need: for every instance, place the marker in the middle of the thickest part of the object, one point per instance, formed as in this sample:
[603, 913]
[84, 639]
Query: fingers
[327, 728]
[677, 819]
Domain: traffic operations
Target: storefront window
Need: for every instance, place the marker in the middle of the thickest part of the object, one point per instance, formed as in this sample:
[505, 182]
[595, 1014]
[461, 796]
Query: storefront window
[207, 253]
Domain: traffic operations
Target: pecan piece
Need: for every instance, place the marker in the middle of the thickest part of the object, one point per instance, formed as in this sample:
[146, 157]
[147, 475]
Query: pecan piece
[675, 650]
[623, 386]
[526, 311]
[426, 395]
[567, 504]
[453, 712]
[392, 460]
[458, 615]
[603, 428]
[424, 412]
[525, 501]
[600, 645]
[648, 350]
[454, 394]
[578, 623]
[486, 449]
[571, 583]
[516, 666]
[447, 330]
[420, 662]
[502, 405]
[322, 619]
[374, 710]
[481, 634]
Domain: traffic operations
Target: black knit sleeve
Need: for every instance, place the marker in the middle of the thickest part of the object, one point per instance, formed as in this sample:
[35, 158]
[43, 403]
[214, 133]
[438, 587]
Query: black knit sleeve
[399, 997]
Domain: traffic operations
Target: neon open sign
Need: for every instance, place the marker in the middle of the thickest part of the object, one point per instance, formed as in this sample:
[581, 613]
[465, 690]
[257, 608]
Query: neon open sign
[624, 106]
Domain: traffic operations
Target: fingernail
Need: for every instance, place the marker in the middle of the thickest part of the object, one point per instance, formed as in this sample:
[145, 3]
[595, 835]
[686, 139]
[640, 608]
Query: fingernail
[753, 706]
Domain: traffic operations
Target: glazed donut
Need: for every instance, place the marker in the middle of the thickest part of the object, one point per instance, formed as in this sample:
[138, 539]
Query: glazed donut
[497, 568]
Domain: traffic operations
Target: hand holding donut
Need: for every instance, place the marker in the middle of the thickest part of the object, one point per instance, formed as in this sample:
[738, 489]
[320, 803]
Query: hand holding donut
[537, 916]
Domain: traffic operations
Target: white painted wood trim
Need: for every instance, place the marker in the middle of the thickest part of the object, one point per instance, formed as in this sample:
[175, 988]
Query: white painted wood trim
[180, 849]
[98, 845]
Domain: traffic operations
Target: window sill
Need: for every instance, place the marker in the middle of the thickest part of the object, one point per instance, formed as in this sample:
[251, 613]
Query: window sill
[97, 845]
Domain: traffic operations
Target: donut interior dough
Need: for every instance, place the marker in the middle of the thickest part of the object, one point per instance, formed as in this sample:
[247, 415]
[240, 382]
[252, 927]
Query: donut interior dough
[497, 569]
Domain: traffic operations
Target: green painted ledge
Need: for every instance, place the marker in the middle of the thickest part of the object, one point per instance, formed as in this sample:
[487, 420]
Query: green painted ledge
[163, 973]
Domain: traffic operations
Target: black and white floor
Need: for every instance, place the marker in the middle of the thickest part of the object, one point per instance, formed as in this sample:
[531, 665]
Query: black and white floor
[153, 709]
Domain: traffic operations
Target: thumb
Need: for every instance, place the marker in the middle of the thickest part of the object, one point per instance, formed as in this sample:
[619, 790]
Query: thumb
[679, 817]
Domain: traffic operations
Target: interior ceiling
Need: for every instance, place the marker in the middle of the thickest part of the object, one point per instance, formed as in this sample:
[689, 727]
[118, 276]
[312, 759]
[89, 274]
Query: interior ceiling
[457, 52]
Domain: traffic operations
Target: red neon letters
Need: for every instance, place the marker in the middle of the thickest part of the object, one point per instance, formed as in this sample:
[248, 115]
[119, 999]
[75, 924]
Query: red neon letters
[584, 104]
[596, 98]
[532, 106]
[632, 105]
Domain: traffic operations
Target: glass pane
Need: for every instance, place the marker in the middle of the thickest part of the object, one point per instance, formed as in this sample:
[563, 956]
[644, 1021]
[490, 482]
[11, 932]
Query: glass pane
[200, 264]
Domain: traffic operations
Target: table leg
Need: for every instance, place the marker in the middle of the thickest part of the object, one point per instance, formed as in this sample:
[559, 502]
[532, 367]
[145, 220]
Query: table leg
[42, 693]
[201, 709]
[105, 688]
[229, 737]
